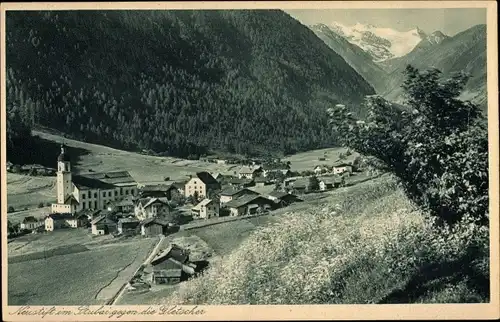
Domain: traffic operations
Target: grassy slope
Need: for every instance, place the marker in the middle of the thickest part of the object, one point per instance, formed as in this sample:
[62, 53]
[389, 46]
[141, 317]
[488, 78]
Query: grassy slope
[74, 279]
[367, 244]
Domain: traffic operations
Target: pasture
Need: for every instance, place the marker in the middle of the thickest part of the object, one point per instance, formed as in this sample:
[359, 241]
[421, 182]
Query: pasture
[27, 192]
[86, 278]
[308, 160]
[47, 240]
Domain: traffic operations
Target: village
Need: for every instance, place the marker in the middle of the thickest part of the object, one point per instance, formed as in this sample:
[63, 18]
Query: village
[113, 204]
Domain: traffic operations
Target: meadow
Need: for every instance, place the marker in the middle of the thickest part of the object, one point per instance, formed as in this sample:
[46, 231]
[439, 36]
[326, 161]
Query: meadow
[85, 278]
[364, 244]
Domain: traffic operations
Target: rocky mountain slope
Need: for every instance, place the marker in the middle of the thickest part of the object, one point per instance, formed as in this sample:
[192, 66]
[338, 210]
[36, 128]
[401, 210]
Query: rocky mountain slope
[359, 59]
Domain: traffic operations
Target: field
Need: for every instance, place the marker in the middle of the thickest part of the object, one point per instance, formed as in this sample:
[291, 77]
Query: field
[144, 168]
[27, 192]
[85, 278]
[47, 240]
[308, 160]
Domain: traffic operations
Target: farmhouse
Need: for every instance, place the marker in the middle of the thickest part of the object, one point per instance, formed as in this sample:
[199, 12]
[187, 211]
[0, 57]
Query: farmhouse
[92, 190]
[206, 209]
[328, 183]
[247, 205]
[241, 183]
[283, 198]
[249, 172]
[341, 168]
[61, 220]
[158, 191]
[102, 225]
[203, 184]
[170, 265]
[154, 227]
[275, 167]
[151, 207]
[301, 185]
[232, 193]
[127, 225]
[180, 187]
[126, 205]
[31, 223]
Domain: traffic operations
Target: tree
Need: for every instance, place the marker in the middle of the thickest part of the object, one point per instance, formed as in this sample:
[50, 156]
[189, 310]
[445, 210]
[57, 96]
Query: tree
[436, 144]
[313, 183]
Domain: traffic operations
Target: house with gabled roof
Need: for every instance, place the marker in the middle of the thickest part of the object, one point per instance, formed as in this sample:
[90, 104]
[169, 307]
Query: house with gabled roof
[158, 191]
[152, 207]
[31, 223]
[154, 227]
[205, 209]
[247, 205]
[249, 172]
[61, 220]
[231, 193]
[202, 184]
[342, 167]
[283, 198]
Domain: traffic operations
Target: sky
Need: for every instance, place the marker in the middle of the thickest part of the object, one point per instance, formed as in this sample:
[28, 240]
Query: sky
[449, 21]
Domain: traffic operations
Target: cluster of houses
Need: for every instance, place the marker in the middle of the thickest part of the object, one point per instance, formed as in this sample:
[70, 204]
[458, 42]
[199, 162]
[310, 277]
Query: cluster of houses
[113, 202]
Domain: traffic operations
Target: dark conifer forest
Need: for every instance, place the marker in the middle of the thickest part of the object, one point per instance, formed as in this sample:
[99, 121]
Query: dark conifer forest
[180, 83]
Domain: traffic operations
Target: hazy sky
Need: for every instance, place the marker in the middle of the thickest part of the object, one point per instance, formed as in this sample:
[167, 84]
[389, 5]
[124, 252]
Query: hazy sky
[449, 21]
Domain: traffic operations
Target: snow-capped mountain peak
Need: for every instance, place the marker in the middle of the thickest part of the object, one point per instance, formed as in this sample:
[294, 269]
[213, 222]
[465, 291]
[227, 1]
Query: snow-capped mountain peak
[382, 43]
[436, 37]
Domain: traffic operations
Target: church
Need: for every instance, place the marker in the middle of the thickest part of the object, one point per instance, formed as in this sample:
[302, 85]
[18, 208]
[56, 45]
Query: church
[89, 191]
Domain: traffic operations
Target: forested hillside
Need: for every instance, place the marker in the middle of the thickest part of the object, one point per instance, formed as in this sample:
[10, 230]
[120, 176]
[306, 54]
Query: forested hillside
[176, 82]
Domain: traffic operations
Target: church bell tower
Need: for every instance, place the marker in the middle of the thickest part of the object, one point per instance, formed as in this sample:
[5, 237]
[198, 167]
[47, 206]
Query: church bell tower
[63, 176]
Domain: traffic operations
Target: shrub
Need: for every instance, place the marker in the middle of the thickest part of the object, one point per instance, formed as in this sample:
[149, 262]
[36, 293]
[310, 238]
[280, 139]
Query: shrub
[11, 209]
[40, 205]
[437, 145]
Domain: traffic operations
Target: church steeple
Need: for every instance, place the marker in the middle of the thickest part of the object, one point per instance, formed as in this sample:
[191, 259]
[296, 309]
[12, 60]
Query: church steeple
[63, 156]
[63, 175]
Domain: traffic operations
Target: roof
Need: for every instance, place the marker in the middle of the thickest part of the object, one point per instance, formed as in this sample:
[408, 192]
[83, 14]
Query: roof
[173, 251]
[244, 200]
[98, 219]
[206, 178]
[63, 216]
[233, 191]
[240, 181]
[146, 202]
[301, 183]
[179, 185]
[261, 179]
[82, 182]
[71, 199]
[104, 180]
[28, 219]
[152, 221]
[278, 194]
[202, 203]
[63, 156]
[128, 220]
[158, 187]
